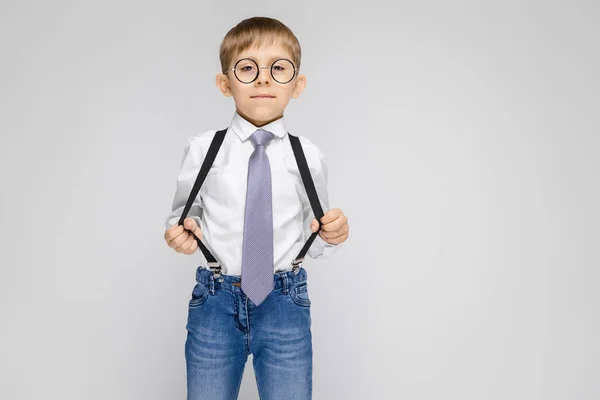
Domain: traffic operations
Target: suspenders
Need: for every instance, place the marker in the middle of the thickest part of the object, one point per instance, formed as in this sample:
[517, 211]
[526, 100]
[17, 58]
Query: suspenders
[309, 185]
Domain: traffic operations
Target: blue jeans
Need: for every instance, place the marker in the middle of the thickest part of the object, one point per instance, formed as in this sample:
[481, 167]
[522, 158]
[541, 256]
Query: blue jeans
[224, 327]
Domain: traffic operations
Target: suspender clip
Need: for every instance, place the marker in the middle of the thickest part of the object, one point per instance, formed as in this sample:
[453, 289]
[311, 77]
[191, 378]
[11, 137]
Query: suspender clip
[296, 264]
[215, 267]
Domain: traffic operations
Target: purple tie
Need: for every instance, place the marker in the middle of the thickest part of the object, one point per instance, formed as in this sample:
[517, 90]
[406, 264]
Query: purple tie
[257, 252]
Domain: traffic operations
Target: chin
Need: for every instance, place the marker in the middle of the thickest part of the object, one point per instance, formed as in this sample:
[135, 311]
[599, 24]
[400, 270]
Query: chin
[263, 115]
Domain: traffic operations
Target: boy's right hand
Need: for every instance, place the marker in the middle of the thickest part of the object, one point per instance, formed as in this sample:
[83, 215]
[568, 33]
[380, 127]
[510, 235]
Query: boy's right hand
[180, 239]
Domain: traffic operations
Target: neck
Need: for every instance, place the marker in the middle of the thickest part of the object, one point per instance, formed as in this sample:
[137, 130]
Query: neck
[258, 123]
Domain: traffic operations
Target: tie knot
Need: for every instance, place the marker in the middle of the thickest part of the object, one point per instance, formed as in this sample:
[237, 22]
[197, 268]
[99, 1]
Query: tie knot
[261, 137]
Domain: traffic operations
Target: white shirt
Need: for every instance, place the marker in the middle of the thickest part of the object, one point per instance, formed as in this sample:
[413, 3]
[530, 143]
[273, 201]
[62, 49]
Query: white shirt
[220, 205]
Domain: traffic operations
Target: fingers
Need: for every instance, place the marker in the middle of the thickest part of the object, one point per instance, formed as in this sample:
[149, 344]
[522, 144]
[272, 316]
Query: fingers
[180, 238]
[335, 236]
[332, 221]
[335, 228]
[172, 233]
[331, 215]
[335, 225]
[336, 240]
[188, 246]
[177, 238]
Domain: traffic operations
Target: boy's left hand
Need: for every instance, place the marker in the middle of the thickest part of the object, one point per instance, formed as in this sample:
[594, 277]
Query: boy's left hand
[335, 227]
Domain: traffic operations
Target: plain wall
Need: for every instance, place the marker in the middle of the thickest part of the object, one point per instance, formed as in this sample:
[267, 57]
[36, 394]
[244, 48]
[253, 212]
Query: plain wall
[461, 140]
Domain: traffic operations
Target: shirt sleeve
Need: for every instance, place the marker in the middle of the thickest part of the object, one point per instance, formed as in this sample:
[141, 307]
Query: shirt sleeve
[319, 248]
[188, 172]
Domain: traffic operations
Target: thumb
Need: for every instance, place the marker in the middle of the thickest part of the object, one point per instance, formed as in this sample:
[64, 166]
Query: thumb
[191, 225]
[314, 225]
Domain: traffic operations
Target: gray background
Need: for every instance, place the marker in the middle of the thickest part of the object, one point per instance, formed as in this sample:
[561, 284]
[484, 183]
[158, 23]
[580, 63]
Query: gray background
[462, 142]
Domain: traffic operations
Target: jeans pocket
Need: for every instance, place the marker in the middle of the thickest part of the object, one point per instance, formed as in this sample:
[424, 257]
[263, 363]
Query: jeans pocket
[299, 294]
[199, 295]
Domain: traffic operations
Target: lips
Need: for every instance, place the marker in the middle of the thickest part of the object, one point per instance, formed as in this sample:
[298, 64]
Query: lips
[263, 96]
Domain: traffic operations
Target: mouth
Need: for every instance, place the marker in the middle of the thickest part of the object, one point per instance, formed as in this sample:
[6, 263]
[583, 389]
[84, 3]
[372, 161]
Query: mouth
[262, 96]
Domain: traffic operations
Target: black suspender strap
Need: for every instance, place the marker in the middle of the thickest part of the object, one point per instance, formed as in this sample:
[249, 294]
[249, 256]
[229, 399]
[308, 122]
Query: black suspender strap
[309, 185]
[312, 196]
[217, 140]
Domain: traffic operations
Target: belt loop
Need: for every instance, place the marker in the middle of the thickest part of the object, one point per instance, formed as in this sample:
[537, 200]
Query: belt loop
[284, 285]
[212, 283]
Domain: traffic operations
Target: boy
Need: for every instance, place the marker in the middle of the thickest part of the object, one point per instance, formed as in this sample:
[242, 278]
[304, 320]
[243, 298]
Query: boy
[254, 211]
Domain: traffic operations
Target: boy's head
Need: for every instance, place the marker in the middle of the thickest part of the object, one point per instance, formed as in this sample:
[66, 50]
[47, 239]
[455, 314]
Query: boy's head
[260, 56]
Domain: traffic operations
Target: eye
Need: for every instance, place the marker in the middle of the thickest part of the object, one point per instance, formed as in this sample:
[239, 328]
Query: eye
[247, 68]
[279, 68]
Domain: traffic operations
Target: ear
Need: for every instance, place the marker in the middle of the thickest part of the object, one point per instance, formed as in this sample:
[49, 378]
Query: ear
[222, 82]
[299, 86]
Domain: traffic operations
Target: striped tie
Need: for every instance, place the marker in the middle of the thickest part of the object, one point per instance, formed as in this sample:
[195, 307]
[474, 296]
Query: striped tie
[257, 252]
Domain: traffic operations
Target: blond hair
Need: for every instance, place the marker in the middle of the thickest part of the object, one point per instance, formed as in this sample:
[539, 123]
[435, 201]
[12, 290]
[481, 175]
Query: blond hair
[258, 31]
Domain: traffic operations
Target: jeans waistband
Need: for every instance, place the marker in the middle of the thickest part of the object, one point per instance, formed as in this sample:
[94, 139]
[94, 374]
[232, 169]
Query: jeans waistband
[233, 283]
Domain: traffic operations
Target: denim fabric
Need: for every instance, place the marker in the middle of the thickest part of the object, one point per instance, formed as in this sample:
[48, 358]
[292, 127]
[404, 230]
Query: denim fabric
[224, 326]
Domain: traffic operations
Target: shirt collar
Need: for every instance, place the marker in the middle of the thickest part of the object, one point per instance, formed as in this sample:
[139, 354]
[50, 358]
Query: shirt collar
[244, 129]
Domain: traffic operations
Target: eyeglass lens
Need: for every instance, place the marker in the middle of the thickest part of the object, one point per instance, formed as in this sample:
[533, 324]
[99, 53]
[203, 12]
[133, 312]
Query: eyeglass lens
[246, 70]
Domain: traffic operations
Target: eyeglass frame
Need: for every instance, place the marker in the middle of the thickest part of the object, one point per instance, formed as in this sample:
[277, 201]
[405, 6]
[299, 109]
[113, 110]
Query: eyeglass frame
[259, 68]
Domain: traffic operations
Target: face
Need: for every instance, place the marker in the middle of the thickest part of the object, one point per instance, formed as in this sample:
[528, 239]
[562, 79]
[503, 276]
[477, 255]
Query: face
[261, 110]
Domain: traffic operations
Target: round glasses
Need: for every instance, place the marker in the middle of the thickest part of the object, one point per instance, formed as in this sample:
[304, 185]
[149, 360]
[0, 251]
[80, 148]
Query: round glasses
[246, 70]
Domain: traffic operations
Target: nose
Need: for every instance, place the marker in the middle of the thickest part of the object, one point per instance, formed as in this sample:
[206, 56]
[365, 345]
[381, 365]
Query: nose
[264, 75]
